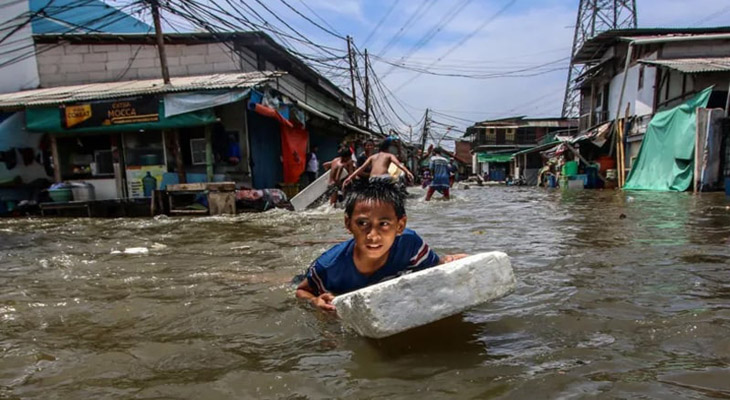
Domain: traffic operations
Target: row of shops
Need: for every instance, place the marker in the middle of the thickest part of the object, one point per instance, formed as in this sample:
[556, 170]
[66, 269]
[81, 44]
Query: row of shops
[686, 147]
[119, 137]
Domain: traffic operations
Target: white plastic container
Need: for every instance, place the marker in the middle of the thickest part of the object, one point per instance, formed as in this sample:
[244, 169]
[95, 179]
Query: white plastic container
[83, 191]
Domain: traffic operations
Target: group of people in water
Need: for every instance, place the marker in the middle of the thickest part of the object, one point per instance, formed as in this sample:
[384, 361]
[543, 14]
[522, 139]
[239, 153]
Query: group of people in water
[373, 166]
[381, 246]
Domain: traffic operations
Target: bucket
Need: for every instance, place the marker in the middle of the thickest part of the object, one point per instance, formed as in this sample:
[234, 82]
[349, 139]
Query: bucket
[60, 195]
[570, 168]
[582, 177]
[606, 163]
[576, 184]
[83, 191]
[551, 181]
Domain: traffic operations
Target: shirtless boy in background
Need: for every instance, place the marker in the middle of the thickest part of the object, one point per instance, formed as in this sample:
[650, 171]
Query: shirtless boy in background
[379, 164]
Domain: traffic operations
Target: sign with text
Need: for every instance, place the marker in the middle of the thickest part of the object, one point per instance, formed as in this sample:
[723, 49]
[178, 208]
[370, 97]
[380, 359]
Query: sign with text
[106, 113]
[139, 176]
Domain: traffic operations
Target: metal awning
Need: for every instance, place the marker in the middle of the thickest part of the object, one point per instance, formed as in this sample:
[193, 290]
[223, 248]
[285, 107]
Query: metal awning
[306, 107]
[538, 148]
[497, 158]
[693, 65]
[596, 134]
[110, 90]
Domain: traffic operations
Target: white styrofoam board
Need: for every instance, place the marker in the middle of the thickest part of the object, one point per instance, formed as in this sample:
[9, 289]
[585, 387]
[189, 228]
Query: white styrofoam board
[313, 191]
[416, 299]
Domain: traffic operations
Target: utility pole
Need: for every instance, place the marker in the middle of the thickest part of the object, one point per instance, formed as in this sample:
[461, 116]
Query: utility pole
[367, 90]
[352, 74]
[424, 134]
[154, 5]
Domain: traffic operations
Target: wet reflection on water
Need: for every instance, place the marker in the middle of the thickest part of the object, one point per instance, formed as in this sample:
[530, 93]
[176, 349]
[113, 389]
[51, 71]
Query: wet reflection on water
[618, 295]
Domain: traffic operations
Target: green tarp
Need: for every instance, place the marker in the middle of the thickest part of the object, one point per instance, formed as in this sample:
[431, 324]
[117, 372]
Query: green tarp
[485, 157]
[48, 120]
[666, 158]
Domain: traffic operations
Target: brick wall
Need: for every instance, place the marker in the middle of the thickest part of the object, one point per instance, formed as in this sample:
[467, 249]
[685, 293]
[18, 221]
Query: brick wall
[70, 64]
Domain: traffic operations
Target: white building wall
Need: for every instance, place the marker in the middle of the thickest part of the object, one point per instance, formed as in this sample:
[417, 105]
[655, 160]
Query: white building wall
[641, 100]
[23, 73]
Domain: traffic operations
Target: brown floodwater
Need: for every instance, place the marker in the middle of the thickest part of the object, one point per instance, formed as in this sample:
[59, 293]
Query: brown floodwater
[619, 295]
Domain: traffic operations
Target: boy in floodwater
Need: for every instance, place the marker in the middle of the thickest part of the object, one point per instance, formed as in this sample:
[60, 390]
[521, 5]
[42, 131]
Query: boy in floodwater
[343, 161]
[378, 164]
[381, 248]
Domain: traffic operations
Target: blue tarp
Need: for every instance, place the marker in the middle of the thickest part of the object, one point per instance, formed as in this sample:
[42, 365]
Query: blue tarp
[73, 16]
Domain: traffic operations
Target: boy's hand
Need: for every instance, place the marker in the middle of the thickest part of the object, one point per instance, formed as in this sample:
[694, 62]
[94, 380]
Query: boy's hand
[410, 177]
[453, 257]
[324, 302]
[347, 181]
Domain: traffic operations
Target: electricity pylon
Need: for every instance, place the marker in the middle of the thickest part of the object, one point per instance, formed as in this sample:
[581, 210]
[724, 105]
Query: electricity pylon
[594, 17]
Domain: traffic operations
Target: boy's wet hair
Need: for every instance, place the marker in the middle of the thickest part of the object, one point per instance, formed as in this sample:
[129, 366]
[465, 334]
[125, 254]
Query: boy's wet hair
[345, 152]
[385, 145]
[379, 191]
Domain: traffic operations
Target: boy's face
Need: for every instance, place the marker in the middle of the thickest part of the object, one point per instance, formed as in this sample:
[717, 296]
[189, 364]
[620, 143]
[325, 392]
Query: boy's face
[375, 227]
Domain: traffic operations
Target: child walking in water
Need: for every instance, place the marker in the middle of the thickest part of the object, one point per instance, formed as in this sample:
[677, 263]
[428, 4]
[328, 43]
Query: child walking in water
[381, 248]
[440, 169]
[343, 161]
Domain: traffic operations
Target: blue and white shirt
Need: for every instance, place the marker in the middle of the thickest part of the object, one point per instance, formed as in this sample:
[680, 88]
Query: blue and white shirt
[441, 170]
[335, 272]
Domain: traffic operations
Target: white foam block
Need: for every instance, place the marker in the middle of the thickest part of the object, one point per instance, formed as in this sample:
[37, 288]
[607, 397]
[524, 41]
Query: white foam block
[419, 298]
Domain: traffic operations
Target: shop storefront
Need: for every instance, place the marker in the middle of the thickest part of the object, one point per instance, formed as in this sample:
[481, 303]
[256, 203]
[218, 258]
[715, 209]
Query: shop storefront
[112, 144]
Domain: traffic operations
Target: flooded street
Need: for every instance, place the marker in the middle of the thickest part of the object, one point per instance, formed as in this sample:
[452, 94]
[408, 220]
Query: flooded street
[618, 295]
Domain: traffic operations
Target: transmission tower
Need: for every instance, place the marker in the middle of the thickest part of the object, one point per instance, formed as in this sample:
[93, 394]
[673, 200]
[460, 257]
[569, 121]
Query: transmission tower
[594, 17]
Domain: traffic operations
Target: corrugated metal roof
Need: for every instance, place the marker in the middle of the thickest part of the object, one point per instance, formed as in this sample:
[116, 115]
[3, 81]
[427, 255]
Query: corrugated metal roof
[694, 65]
[110, 90]
[594, 47]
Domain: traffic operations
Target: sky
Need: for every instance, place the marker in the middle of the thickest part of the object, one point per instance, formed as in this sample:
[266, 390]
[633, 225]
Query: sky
[527, 40]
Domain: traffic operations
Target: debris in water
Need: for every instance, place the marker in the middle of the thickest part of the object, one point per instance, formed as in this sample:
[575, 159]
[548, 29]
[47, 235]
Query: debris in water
[136, 250]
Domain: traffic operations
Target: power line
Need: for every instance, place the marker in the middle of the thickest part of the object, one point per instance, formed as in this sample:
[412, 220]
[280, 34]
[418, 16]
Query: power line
[518, 73]
[261, 3]
[312, 22]
[422, 9]
[431, 33]
[324, 21]
[464, 40]
[33, 51]
[382, 20]
[192, 11]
